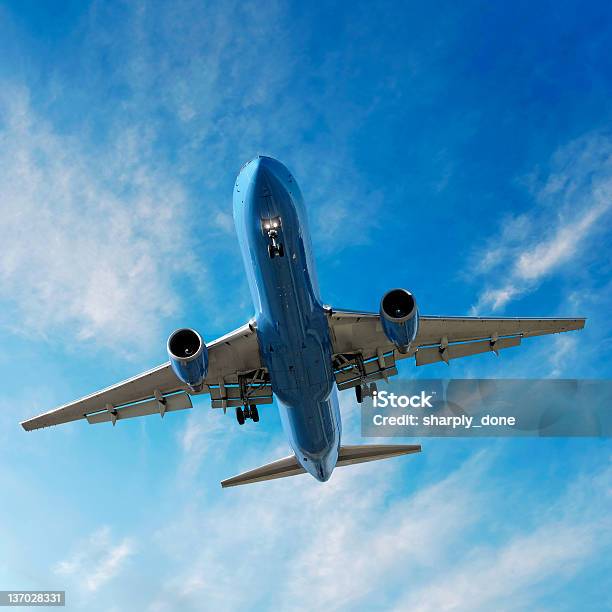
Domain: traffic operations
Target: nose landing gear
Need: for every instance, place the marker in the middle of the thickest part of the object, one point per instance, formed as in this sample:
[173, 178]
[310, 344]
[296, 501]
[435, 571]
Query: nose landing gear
[275, 249]
[271, 228]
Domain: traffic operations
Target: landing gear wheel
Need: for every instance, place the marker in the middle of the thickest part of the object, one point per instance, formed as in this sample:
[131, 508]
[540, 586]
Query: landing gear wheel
[373, 389]
[254, 414]
[359, 394]
[239, 416]
[276, 250]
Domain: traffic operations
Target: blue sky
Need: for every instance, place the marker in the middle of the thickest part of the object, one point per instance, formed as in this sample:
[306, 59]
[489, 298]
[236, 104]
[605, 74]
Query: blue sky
[462, 150]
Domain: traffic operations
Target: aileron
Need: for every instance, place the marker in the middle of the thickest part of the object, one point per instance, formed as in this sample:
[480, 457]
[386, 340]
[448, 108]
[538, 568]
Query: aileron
[464, 329]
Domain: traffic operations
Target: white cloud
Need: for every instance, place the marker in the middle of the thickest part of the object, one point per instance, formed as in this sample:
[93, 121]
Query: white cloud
[328, 533]
[199, 439]
[494, 578]
[574, 205]
[564, 347]
[546, 256]
[224, 221]
[89, 236]
[107, 210]
[97, 560]
[446, 545]
[570, 532]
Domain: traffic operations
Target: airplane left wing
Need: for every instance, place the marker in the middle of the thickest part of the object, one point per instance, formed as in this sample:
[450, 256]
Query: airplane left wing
[234, 369]
[363, 353]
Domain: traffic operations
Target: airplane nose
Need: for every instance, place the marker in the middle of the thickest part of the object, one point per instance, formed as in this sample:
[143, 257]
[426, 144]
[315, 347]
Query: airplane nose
[263, 165]
[273, 199]
[273, 167]
[268, 177]
[263, 176]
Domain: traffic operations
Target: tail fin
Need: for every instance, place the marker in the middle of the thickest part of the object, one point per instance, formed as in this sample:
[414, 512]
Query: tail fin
[348, 455]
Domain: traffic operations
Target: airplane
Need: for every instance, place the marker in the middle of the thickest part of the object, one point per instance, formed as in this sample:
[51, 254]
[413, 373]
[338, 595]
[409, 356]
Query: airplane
[295, 347]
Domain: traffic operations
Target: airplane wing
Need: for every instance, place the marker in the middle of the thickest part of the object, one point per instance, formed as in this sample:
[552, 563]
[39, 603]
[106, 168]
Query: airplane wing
[234, 369]
[361, 347]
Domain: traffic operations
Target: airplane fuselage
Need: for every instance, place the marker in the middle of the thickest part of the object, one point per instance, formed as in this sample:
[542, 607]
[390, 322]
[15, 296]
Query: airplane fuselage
[292, 326]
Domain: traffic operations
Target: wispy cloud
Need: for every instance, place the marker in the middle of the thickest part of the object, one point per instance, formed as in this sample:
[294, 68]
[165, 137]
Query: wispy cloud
[89, 236]
[107, 211]
[576, 527]
[386, 545]
[574, 202]
[199, 440]
[224, 221]
[97, 560]
[492, 578]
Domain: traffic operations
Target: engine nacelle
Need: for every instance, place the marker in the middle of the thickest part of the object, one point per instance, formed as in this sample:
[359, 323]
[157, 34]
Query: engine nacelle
[399, 317]
[188, 357]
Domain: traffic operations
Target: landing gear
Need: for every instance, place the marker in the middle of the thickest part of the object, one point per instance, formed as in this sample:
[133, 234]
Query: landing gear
[248, 412]
[364, 389]
[271, 228]
[239, 415]
[276, 250]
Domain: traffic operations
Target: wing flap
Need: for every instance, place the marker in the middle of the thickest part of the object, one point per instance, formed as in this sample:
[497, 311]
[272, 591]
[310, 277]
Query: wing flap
[348, 369]
[170, 403]
[434, 354]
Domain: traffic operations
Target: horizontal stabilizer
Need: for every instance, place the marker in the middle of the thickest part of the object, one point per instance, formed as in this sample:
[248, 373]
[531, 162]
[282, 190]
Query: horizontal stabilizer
[348, 455]
[361, 453]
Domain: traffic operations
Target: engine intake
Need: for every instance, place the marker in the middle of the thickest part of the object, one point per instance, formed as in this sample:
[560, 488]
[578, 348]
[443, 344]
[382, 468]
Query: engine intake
[188, 357]
[399, 316]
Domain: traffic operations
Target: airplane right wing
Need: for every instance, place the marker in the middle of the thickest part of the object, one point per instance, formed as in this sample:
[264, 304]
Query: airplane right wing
[445, 338]
[362, 351]
[235, 370]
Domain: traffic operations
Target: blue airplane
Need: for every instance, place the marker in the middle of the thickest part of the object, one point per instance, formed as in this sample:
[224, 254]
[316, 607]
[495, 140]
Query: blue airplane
[296, 347]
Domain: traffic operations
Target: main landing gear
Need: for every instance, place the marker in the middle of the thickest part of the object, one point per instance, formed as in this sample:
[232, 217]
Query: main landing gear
[248, 412]
[365, 390]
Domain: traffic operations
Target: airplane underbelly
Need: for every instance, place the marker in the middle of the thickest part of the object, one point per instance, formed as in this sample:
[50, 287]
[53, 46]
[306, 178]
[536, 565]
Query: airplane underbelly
[299, 359]
[292, 325]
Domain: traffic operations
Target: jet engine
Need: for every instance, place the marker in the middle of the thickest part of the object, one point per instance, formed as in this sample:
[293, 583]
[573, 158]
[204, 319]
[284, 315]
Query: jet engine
[188, 357]
[399, 316]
